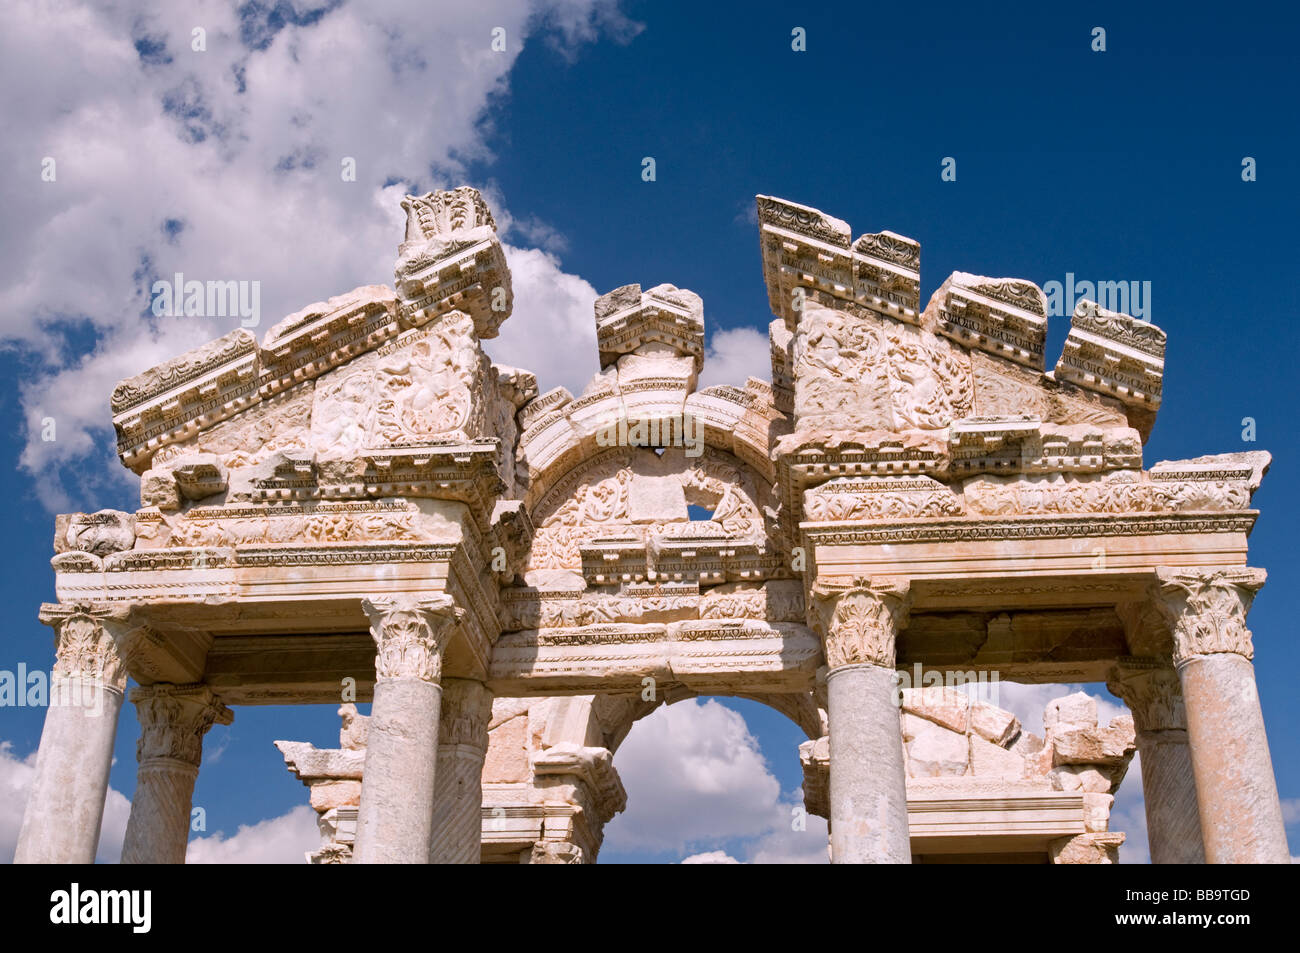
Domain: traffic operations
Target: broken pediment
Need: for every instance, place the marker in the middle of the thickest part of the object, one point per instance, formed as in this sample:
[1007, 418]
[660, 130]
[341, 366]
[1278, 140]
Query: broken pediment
[852, 351]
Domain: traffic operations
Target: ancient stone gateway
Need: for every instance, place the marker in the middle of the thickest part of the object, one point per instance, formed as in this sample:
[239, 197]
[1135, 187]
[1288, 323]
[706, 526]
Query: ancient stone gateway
[363, 498]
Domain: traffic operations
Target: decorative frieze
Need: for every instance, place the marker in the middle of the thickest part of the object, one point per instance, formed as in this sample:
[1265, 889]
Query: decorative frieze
[1115, 354]
[1006, 317]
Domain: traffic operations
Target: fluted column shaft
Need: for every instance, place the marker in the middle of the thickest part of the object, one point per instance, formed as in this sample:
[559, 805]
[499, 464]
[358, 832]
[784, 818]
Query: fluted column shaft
[173, 721]
[65, 807]
[1153, 692]
[868, 788]
[458, 797]
[395, 817]
[1241, 815]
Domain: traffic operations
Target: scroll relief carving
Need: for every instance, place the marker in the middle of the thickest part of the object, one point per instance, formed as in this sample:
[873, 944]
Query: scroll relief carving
[340, 524]
[426, 384]
[892, 375]
[596, 502]
[409, 634]
[860, 622]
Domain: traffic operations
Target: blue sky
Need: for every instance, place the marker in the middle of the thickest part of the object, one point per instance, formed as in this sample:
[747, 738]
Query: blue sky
[1122, 165]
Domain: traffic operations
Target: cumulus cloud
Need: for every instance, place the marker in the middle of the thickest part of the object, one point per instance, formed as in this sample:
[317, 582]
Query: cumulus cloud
[552, 330]
[15, 784]
[278, 840]
[226, 164]
[711, 857]
[696, 779]
[735, 354]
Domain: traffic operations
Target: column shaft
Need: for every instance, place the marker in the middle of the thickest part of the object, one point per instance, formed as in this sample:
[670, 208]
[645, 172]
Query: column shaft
[1152, 692]
[868, 787]
[1241, 815]
[868, 784]
[65, 807]
[395, 817]
[457, 836]
[173, 721]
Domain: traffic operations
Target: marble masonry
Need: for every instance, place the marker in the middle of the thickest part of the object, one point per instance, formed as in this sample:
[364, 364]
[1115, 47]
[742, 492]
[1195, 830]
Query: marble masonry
[363, 507]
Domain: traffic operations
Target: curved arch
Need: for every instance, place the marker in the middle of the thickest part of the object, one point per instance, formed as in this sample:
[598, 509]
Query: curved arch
[560, 434]
[605, 720]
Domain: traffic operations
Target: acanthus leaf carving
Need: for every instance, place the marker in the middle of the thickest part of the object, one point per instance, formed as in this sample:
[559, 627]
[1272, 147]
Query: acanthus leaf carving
[410, 633]
[860, 621]
[1207, 610]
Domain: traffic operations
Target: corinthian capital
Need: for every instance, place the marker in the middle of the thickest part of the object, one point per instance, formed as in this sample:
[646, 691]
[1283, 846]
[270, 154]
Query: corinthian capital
[174, 719]
[89, 641]
[409, 633]
[1151, 690]
[860, 621]
[1207, 610]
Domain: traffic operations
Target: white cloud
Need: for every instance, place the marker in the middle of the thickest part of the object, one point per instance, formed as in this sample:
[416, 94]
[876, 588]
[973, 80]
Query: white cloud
[711, 857]
[240, 147]
[694, 775]
[696, 778]
[735, 354]
[278, 840]
[552, 330]
[15, 784]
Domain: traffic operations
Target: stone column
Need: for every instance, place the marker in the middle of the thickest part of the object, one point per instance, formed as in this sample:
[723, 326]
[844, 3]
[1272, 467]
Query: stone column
[1241, 816]
[65, 807]
[173, 721]
[458, 792]
[868, 809]
[1152, 692]
[395, 817]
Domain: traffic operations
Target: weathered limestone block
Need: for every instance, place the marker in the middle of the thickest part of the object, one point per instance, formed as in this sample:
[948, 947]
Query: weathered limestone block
[933, 751]
[994, 724]
[991, 760]
[452, 260]
[158, 488]
[1083, 777]
[179, 397]
[101, 533]
[1077, 744]
[280, 423]
[323, 335]
[428, 384]
[660, 322]
[1115, 354]
[1087, 849]
[1006, 317]
[944, 706]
